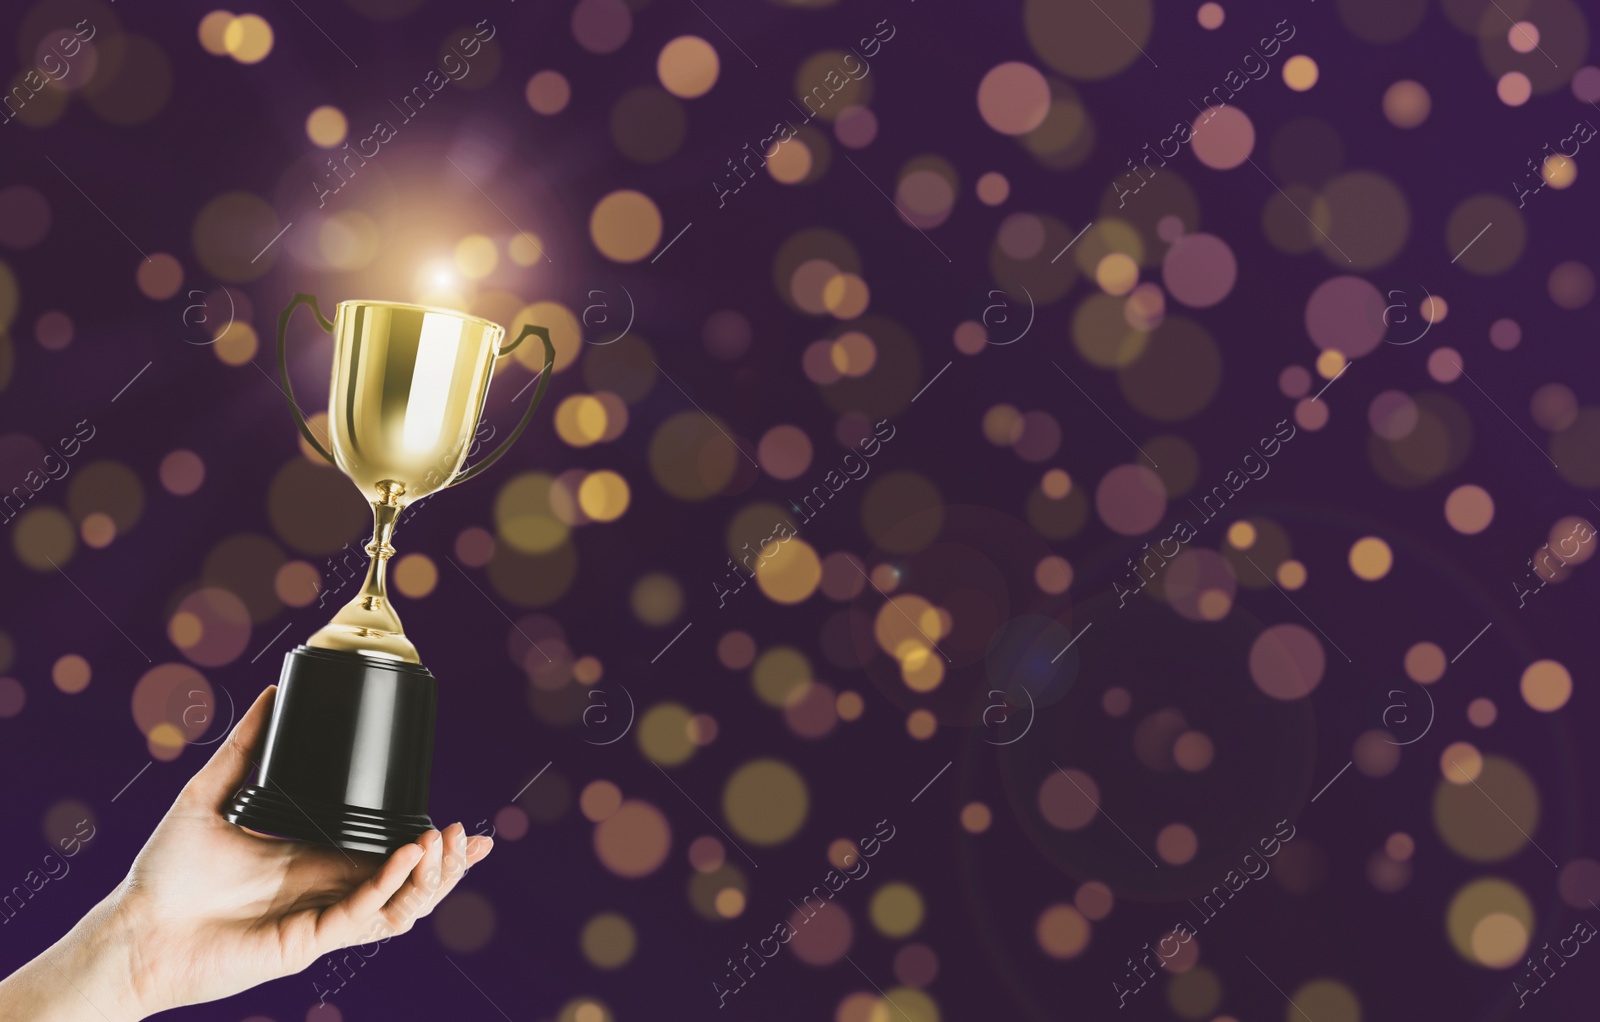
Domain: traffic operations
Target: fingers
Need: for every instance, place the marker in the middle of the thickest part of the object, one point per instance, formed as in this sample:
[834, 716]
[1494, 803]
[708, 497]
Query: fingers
[434, 877]
[356, 918]
[408, 886]
[231, 763]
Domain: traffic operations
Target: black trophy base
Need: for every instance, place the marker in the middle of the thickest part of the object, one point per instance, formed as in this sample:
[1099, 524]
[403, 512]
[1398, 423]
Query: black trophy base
[348, 827]
[348, 754]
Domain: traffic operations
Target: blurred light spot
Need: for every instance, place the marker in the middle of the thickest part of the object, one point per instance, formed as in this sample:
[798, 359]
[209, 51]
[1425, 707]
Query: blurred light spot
[608, 940]
[1444, 365]
[1069, 800]
[547, 93]
[921, 724]
[657, 599]
[415, 575]
[1224, 140]
[976, 817]
[1300, 73]
[71, 674]
[688, 67]
[1286, 661]
[1013, 98]
[1062, 931]
[212, 31]
[663, 734]
[1291, 574]
[896, 910]
[1370, 558]
[1514, 89]
[1425, 663]
[850, 706]
[765, 801]
[599, 800]
[604, 495]
[601, 26]
[993, 188]
[326, 126]
[1546, 686]
[248, 39]
[1469, 509]
[1176, 844]
[633, 841]
[625, 225]
[1460, 763]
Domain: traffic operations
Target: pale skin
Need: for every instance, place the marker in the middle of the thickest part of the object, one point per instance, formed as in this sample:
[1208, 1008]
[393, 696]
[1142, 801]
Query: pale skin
[208, 910]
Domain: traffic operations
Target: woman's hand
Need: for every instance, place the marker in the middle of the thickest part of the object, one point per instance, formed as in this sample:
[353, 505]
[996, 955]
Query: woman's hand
[208, 910]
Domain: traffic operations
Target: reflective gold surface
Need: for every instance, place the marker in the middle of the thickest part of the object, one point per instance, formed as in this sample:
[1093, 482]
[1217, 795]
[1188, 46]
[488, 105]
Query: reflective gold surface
[409, 383]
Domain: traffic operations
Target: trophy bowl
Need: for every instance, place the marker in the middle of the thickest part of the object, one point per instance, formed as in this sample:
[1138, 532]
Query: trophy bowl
[349, 750]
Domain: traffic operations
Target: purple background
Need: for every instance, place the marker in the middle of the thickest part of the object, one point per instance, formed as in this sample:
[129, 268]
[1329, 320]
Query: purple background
[229, 126]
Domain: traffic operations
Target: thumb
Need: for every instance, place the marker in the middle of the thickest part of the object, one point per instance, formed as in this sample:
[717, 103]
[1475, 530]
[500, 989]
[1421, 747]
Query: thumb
[228, 767]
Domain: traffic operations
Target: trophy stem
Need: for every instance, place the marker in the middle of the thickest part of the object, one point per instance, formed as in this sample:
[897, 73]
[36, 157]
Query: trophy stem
[368, 623]
[374, 593]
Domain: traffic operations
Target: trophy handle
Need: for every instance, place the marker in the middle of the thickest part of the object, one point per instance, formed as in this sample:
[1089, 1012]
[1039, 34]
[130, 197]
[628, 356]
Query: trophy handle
[540, 332]
[283, 368]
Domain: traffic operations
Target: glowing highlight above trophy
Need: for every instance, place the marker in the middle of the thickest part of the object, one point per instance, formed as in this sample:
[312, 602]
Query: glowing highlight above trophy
[349, 750]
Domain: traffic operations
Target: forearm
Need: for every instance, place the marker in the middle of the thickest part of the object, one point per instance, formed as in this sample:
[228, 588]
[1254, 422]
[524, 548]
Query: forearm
[86, 976]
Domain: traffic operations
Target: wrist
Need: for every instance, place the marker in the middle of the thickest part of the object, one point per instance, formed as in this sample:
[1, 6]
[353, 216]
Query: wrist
[89, 974]
[115, 948]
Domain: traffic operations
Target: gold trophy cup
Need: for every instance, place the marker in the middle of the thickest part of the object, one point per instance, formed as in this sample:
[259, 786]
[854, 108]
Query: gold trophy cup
[349, 750]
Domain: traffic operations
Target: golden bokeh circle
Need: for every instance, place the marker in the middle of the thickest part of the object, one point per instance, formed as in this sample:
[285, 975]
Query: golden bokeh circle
[625, 226]
[766, 801]
[688, 67]
[603, 495]
[657, 599]
[415, 575]
[1062, 931]
[71, 674]
[1482, 920]
[326, 126]
[248, 39]
[1546, 685]
[663, 734]
[608, 940]
[212, 31]
[1492, 828]
[896, 910]
[43, 538]
[1370, 558]
[791, 574]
